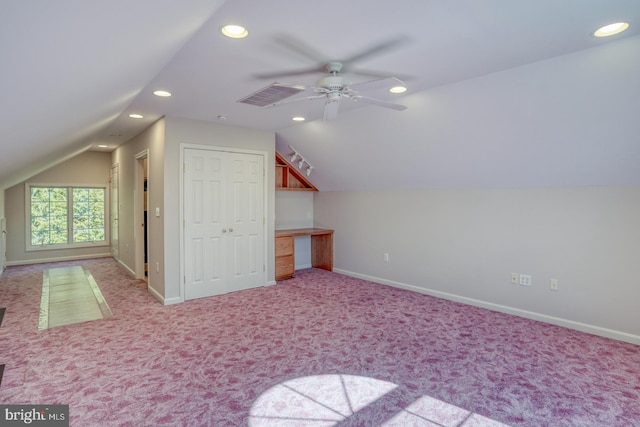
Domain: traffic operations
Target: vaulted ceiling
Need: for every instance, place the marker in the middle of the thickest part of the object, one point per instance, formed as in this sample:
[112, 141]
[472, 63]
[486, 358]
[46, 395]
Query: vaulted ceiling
[500, 92]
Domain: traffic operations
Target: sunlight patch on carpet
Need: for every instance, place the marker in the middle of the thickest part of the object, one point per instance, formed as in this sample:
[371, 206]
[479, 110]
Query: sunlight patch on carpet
[329, 400]
[70, 295]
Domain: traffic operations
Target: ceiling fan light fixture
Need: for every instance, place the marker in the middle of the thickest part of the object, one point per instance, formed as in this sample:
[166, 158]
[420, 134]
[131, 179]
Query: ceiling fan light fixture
[234, 31]
[611, 29]
[398, 89]
[162, 93]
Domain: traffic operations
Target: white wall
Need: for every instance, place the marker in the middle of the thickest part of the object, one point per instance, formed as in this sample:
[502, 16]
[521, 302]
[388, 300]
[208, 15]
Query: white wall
[152, 139]
[294, 209]
[463, 244]
[179, 131]
[88, 168]
[530, 170]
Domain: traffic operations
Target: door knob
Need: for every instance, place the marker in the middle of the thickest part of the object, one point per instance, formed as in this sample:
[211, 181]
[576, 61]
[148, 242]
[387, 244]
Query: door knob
[231, 230]
[224, 230]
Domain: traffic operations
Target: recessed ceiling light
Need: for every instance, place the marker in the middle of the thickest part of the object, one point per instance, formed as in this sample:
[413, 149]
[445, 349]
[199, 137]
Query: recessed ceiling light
[136, 116]
[398, 89]
[103, 146]
[162, 93]
[611, 29]
[298, 119]
[234, 31]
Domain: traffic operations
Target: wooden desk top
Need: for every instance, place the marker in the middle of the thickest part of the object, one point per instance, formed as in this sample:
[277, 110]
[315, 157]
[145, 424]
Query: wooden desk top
[302, 232]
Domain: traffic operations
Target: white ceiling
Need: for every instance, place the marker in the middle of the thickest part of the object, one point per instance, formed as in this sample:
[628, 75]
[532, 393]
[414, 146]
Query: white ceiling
[72, 71]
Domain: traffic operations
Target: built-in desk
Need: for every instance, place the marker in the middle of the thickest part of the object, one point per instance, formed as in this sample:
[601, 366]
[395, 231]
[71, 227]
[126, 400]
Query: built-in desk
[321, 250]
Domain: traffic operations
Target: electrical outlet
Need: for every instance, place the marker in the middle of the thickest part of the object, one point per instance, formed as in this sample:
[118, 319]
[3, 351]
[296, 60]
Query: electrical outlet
[553, 284]
[385, 256]
[525, 280]
[514, 278]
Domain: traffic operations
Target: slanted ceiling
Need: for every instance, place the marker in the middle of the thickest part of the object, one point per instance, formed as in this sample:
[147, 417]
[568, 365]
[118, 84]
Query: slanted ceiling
[501, 93]
[70, 68]
[569, 121]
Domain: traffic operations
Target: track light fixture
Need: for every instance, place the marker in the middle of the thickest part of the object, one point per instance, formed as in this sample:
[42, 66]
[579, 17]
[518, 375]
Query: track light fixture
[302, 163]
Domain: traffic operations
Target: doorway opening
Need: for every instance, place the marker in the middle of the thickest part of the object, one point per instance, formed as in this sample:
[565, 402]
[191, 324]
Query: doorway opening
[115, 211]
[3, 244]
[142, 240]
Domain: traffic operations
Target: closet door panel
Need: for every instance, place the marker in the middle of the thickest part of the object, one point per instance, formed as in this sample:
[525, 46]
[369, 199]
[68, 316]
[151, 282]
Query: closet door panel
[204, 181]
[223, 222]
[247, 210]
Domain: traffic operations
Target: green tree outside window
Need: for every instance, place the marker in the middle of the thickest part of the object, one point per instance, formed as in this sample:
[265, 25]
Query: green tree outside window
[67, 215]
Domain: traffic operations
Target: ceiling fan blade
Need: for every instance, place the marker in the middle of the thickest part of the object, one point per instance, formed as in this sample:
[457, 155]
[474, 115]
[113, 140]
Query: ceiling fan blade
[288, 73]
[296, 45]
[379, 74]
[378, 102]
[368, 73]
[387, 83]
[330, 111]
[376, 49]
[322, 61]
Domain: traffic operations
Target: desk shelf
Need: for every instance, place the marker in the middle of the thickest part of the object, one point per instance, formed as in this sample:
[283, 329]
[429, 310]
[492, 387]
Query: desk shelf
[321, 250]
[288, 177]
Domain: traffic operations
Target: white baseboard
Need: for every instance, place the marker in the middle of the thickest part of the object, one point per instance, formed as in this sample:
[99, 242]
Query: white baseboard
[578, 326]
[171, 301]
[126, 267]
[163, 300]
[68, 258]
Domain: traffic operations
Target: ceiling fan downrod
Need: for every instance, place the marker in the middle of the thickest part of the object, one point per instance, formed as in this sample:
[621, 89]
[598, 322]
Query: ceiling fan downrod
[334, 68]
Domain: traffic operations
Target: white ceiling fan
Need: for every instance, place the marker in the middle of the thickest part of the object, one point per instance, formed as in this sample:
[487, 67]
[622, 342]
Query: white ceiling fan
[332, 88]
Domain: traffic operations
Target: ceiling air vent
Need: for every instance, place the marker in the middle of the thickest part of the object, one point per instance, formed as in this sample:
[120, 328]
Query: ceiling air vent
[271, 94]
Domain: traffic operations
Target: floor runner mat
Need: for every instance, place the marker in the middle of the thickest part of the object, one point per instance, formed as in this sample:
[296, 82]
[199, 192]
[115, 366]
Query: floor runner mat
[70, 295]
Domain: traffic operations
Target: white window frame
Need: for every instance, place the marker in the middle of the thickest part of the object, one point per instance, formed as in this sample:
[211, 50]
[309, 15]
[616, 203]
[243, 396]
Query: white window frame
[69, 244]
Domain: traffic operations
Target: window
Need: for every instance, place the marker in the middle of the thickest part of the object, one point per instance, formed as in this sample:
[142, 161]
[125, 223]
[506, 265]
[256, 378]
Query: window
[65, 217]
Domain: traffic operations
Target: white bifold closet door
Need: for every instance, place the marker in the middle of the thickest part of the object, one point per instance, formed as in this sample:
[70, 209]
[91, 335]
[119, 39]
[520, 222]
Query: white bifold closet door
[223, 222]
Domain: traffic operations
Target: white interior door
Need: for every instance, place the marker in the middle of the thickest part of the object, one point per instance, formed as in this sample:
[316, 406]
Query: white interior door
[203, 253]
[223, 222]
[246, 222]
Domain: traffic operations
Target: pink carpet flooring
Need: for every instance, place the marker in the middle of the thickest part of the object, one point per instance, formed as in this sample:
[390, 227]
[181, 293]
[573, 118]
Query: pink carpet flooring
[318, 350]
